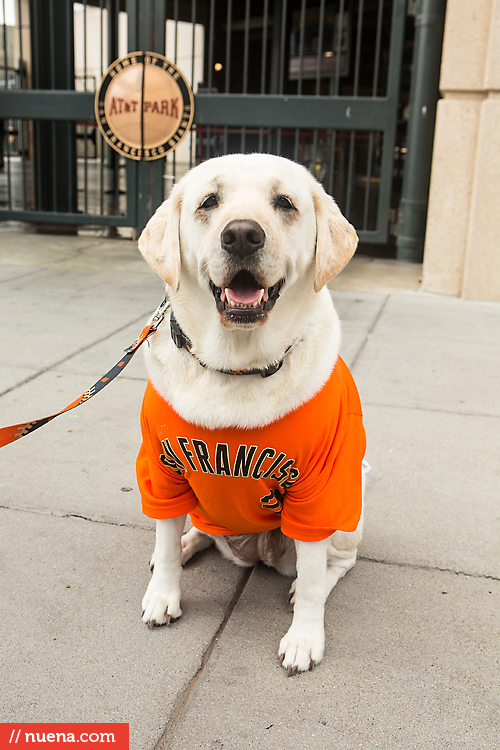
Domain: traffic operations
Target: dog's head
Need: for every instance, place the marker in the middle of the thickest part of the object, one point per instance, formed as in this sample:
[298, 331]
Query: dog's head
[244, 229]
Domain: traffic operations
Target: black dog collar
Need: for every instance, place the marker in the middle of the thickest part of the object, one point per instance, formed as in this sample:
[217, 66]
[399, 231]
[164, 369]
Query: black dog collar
[182, 342]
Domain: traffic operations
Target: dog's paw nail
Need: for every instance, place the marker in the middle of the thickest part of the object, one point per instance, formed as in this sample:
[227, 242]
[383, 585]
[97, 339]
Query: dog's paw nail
[291, 671]
[169, 619]
[143, 612]
[282, 658]
[151, 624]
[312, 665]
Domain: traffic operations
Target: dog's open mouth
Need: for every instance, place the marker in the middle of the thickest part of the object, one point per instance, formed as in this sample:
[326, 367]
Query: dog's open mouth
[244, 300]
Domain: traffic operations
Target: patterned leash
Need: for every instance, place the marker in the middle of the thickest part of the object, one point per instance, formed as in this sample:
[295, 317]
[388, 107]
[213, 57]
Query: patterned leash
[16, 431]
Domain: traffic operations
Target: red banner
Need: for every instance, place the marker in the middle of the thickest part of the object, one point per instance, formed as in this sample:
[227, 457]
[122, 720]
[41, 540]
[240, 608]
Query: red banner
[64, 735]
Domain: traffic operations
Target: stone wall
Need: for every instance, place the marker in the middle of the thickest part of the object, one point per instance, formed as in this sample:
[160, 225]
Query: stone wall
[462, 248]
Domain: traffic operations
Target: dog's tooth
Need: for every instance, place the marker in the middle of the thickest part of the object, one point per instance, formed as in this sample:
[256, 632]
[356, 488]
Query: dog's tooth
[223, 295]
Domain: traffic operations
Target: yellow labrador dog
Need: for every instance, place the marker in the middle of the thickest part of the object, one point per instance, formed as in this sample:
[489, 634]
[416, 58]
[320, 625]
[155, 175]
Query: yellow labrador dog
[251, 421]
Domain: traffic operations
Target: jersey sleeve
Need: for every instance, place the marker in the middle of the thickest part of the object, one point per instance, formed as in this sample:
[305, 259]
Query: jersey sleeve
[328, 496]
[165, 493]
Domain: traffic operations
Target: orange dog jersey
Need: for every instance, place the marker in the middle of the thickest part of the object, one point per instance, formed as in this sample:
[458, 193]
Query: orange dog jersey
[301, 472]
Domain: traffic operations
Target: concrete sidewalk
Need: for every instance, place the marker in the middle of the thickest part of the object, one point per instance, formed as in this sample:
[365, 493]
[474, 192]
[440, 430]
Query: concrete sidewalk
[413, 639]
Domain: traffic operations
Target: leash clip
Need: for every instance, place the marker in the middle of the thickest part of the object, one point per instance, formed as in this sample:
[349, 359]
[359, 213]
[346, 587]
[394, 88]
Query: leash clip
[159, 314]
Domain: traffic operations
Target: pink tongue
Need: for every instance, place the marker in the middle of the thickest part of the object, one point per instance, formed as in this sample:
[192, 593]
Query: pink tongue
[246, 296]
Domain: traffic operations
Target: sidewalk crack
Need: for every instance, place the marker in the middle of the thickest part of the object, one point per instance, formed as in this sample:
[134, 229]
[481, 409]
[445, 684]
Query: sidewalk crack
[431, 568]
[188, 692]
[354, 360]
[52, 366]
[432, 409]
[62, 514]
[18, 276]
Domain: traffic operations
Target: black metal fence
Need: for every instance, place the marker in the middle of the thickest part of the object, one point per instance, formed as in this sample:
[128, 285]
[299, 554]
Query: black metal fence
[312, 80]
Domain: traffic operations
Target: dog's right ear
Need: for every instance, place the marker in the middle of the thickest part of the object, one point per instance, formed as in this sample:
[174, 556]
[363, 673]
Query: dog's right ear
[159, 241]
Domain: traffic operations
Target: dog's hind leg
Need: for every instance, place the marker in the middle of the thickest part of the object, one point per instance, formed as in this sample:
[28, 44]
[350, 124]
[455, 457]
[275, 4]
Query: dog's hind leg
[341, 555]
[192, 542]
[340, 558]
[343, 549]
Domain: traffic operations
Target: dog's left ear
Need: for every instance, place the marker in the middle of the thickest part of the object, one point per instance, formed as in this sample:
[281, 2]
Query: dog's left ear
[159, 241]
[336, 239]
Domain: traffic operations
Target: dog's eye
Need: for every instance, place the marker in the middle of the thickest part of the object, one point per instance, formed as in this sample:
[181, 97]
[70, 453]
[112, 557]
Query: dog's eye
[210, 201]
[284, 203]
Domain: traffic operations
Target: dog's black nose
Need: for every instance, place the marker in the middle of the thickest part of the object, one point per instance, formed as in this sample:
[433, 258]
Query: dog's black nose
[242, 237]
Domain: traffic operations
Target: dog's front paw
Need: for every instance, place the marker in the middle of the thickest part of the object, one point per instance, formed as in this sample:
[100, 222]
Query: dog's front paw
[301, 649]
[161, 603]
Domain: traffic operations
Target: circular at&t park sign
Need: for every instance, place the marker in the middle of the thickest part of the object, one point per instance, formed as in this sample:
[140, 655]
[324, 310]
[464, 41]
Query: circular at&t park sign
[144, 106]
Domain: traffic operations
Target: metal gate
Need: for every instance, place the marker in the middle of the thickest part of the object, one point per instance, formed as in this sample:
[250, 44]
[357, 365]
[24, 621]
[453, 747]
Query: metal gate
[312, 80]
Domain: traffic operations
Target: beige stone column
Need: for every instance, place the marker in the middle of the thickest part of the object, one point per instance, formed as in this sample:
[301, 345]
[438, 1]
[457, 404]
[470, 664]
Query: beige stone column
[462, 249]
